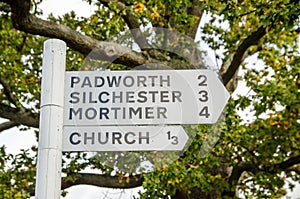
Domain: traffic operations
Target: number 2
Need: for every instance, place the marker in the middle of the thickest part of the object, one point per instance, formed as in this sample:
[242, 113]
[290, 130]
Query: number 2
[202, 79]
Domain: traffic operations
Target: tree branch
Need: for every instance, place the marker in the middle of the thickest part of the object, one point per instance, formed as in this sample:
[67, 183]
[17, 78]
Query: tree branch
[288, 163]
[129, 18]
[236, 174]
[7, 125]
[237, 59]
[197, 12]
[131, 21]
[295, 169]
[237, 171]
[8, 92]
[100, 180]
[21, 117]
[246, 166]
[24, 21]
[107, 181]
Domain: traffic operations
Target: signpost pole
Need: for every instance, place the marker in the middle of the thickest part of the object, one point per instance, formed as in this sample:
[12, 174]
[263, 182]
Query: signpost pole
[48, 179]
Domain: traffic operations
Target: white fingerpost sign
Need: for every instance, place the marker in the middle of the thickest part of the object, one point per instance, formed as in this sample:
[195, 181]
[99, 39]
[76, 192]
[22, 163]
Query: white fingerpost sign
[117, 111]
[48, 179]
[124, 138]
[143, 97]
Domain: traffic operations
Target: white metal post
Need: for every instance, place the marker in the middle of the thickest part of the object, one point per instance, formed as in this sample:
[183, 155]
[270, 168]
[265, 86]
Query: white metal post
[48, 178]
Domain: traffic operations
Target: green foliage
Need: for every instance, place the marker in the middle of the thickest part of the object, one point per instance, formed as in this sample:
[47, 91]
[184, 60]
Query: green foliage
[20, 58]
[270, 138]
[17, 174]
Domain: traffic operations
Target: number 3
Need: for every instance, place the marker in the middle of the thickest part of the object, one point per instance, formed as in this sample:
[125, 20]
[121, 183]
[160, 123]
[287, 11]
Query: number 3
[203, 96]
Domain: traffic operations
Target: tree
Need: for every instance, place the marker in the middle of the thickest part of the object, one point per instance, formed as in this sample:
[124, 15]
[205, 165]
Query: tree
[254, 157]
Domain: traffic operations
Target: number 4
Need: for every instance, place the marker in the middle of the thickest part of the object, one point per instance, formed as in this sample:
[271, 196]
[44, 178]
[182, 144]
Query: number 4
[204, 112]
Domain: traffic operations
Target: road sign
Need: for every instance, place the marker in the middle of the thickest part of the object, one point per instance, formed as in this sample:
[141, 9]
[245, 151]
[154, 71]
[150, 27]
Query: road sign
[124, 138]
[143, 97]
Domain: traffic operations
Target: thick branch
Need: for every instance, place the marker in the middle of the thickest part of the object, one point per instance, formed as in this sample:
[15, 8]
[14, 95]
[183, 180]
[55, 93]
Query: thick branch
[295, 169]
[288, 163]
[107, 181]
[100, 180]
[197, 12]
[237, 171]
[245, 166]
[29, 23]
[236, 174]
[129, 18]
[21, 117]
[7, 125]
[8, 92]
[241, 50]
[131, 21]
